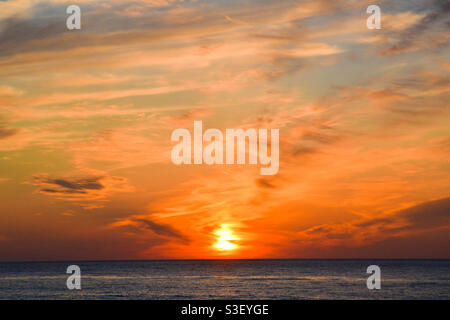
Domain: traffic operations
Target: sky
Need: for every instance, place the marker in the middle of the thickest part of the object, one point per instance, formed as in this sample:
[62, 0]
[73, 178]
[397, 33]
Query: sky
[86, 118]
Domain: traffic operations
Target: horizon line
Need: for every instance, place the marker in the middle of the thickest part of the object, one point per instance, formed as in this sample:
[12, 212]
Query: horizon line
[218, 259]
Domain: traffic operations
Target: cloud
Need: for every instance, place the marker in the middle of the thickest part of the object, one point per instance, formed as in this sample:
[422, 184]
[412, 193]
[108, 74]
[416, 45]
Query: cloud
[75, 186]
[89, 192]
[105, 100]
[187, 117]
[424, 217]
[145, 223]
[265, 183]
[38, 34]
[127, 148]
[61, 98]
[163, 230]
[9, 91]
[441, 145]
[430, 31]
[6, 132]
[400, 21]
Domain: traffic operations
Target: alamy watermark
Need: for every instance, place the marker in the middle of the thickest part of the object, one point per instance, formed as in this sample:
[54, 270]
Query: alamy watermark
[73, 22]
[374, 281]
[74, 280]
[374, 20]
[234, 147]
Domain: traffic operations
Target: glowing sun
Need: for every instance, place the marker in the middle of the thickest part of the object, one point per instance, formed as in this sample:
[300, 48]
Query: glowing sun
[225, 238]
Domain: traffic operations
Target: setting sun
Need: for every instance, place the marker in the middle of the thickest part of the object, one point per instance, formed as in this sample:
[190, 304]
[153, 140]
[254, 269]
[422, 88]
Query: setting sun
[225, 238]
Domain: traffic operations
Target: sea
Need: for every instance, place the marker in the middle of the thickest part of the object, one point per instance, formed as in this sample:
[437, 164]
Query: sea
[227, 279]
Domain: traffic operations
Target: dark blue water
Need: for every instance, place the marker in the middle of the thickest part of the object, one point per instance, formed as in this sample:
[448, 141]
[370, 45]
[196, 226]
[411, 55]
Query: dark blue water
[235, 279]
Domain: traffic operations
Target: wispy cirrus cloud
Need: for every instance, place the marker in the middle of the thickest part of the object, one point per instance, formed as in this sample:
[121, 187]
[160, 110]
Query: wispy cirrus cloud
[416, 36]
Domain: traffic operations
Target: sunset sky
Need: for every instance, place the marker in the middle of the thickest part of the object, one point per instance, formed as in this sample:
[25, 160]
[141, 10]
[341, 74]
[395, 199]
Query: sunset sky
[86, 118]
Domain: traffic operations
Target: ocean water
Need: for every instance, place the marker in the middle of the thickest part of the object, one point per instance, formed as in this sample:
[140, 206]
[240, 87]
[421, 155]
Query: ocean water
[227, 279]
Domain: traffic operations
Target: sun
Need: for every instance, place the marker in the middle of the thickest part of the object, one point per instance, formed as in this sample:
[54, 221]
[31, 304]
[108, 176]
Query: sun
[225, 239]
